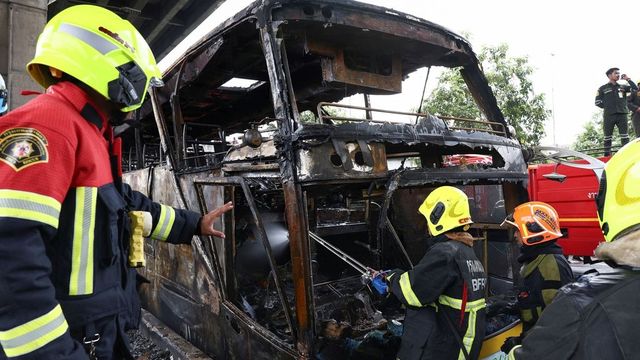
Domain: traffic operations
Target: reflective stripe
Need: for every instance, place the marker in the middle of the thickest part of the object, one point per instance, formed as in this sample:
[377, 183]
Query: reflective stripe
[81, 280]
[470, 335]
[165, 223]
[512, 353]
[94, 40]
[35, 334]
[29, 206]
[407, 291]
[472, 306]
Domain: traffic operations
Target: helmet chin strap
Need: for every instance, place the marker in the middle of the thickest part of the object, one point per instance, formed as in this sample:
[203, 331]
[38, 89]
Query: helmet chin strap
[117, 117]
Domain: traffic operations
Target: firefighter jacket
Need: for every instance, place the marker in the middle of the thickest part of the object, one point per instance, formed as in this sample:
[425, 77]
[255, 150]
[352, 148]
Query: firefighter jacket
[444, 297]
[543, 272]
[63, 226]
[595, 318]
[612, 98]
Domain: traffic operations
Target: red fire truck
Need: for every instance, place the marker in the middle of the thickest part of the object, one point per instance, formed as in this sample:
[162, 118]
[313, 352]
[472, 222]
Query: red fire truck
[572, 192]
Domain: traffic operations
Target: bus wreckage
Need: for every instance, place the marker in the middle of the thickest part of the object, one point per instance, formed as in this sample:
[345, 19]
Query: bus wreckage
[250, 114]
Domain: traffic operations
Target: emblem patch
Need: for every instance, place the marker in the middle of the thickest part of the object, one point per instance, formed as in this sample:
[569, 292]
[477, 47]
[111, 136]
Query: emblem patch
[23, 147]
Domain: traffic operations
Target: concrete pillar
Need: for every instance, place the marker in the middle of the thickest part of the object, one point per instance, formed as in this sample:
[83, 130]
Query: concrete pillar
[21, 21]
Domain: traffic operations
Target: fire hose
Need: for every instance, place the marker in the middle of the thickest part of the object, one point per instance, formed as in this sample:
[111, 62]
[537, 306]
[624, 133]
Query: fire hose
[368, 275]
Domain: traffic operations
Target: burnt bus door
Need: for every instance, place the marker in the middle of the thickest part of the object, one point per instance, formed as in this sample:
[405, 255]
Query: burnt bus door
[246, 337]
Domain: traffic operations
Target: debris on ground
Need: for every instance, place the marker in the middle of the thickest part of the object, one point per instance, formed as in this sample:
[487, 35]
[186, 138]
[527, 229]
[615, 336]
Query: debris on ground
[143, 348]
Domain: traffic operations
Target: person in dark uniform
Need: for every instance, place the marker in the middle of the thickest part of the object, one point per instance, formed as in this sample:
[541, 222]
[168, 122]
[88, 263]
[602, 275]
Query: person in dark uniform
[633, 103]
[4, 97]
[598, 317]
[612, 98]
[544, 268]
[66, 291]
[444, 292]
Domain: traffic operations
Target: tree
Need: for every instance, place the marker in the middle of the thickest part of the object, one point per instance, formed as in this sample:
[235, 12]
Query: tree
[592, 135]
[509, 78]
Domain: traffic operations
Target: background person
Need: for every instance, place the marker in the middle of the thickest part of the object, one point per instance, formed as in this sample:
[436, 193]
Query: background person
[633, 103]
[612, 98]
[66, 291]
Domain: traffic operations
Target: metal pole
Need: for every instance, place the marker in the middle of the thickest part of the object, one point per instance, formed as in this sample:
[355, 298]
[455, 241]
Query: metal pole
[423, 91]
[553, 103]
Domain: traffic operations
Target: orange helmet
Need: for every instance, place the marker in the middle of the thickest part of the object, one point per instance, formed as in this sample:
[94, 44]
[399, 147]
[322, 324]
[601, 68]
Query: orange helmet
[536, 221]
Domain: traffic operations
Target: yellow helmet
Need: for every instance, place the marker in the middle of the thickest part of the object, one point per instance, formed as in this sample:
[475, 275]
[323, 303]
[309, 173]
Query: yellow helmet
[618, 199]
[446, 208]
[100, 49]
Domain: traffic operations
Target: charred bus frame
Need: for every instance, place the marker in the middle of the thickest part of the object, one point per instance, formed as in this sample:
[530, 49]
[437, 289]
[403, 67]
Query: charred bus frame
[294, 171]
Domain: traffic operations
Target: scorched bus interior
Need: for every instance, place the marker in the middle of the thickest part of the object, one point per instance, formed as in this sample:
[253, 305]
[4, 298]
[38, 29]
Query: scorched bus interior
[253, 114]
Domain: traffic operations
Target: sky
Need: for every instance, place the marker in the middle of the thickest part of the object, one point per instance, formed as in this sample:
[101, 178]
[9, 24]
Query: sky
[570, 44]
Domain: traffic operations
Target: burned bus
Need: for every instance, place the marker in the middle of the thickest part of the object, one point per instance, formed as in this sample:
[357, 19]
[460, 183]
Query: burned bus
[253, 114]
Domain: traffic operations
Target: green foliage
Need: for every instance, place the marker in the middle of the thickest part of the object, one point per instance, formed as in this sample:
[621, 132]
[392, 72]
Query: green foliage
[509, 77]
[309, 116]
[592, 135]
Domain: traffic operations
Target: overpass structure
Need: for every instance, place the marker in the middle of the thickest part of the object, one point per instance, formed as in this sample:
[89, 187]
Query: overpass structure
[163, 23]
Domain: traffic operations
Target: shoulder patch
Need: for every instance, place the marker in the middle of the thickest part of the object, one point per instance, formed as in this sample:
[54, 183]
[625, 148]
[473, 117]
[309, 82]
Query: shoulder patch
[23, 147]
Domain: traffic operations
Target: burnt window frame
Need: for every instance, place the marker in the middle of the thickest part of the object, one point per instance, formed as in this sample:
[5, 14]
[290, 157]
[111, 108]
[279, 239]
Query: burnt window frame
[226, 278]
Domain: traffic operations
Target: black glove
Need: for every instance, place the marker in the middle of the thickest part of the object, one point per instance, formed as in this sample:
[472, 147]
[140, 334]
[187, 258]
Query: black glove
[501, 306]
[510, 343]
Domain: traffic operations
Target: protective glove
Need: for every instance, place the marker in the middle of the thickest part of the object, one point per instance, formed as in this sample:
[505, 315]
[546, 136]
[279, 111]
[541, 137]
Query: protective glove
[510, 343]
[380, 284]
[377, 279]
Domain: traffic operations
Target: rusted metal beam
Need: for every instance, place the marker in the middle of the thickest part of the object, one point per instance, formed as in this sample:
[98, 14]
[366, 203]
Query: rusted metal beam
[295, 209]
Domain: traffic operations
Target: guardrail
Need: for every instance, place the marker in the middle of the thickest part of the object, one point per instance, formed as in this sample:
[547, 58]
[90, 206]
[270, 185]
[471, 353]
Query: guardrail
[323, 116]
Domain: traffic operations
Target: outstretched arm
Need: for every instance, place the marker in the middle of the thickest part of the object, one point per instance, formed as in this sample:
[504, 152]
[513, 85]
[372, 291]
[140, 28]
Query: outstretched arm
[207, 221]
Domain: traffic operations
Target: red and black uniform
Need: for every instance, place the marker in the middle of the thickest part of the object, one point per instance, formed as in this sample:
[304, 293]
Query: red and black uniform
[444, 296]
[64, 231]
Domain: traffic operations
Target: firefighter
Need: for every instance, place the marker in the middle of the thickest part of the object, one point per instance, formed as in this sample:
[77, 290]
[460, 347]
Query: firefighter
[65, 289]
[544, 268]
[4, 97]
[612, 98]
[633, 103]
[598, 316]
[444, 292]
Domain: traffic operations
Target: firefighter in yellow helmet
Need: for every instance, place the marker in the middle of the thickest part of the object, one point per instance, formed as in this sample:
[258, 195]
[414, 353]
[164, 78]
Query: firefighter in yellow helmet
[598, 316]
[65, 289]
[444, 292]
[544, 268]
[4, 97]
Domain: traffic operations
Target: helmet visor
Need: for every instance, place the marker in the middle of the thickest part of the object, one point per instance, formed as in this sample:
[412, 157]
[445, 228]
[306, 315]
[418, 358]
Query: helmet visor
[129, 88]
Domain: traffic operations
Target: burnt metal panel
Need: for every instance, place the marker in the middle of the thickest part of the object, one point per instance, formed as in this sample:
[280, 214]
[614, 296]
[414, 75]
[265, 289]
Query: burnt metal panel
[335, 68]
[323, 162]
